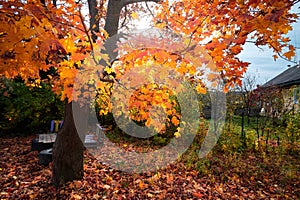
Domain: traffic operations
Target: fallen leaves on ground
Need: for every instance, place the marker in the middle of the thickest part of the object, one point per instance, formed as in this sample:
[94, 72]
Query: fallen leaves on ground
[23, 178]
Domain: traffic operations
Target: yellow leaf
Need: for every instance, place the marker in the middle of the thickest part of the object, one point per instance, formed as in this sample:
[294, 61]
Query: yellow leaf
[200, 89]
[68, 44]
[134, 15]
[109, 70]
[177, 134]
[161, 25]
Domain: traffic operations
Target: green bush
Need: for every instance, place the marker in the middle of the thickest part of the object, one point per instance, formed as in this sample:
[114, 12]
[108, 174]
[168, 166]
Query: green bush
[25, 110]
[293, 130]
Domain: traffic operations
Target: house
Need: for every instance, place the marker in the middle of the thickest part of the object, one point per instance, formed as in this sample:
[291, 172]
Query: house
[287, 79]
[289, 84]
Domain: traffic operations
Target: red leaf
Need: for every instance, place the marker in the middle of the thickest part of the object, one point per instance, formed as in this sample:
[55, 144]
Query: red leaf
[198, 195]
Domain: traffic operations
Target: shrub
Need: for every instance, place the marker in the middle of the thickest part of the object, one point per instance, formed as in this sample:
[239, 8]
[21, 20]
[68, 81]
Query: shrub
[293, 130]
[25, 110]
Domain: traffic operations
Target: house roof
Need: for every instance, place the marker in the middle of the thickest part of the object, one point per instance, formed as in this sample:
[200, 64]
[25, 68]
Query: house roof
[289, 77]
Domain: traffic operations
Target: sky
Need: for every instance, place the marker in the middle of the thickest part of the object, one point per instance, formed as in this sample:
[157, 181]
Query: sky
[263, 65]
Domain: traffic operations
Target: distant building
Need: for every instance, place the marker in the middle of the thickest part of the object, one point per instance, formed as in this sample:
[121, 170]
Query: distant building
[289, 83]
[287, 79]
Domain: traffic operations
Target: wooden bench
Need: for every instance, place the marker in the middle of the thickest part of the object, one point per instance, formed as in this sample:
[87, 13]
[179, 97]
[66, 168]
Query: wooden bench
[44, 141]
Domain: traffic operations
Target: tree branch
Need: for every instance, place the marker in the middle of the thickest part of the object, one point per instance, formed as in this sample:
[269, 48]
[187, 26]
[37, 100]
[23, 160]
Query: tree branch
[107, 80]
[282, 57]
[94, 21]
[125, 17]
[127, 2]
[148, 8]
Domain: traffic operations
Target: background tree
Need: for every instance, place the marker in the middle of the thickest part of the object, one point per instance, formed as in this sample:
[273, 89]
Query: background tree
[250, 107]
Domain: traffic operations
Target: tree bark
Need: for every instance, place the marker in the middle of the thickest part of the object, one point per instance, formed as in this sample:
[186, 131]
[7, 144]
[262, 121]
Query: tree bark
[67, 152]
[112, 21]
[111, 27]
[112, 17]
[94, 22]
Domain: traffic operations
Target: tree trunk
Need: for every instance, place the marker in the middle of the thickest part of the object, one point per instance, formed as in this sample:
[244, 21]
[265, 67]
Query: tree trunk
[94, 22]
[111, 26]
[67, 151]
[68, 148]
[112, 18]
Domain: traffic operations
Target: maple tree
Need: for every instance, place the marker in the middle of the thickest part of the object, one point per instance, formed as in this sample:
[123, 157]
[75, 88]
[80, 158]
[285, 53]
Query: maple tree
[37, 38]
[223, 27]
[43, 36]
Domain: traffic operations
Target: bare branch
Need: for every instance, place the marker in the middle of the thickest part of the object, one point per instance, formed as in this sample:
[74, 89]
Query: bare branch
[107, 80]
[127, 2]
[282, 57]
[148, 8]
[123, 24]
[86, 31]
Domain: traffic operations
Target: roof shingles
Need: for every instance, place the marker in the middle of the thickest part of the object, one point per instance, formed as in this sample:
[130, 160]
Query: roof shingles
[287, 78]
